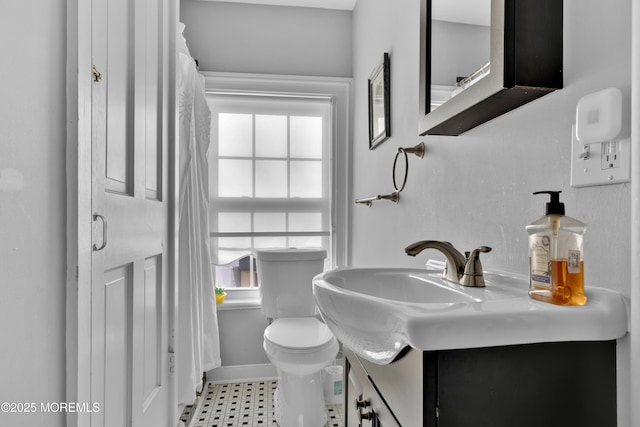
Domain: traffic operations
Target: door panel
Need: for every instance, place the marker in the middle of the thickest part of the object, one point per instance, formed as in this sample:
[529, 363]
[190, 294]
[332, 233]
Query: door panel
[152, 84]
[119, 87]
[117, 344]
[129, 354]
[152, 379]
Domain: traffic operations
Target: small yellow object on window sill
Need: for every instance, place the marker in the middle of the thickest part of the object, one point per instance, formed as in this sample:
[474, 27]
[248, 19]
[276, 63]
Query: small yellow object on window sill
[220, 295]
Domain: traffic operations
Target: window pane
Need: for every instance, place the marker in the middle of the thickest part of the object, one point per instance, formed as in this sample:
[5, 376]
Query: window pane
[234, 221]
[230, 255]
[225, 277]
[271, 136]
[235, 135]
[306, 137]
[236, 274]
[305, 221]
[306, 179]
[268, 173]
[269, 222]
[271, 178]
[269, 242]
[234, 243]
[305, 242]
[235, 178]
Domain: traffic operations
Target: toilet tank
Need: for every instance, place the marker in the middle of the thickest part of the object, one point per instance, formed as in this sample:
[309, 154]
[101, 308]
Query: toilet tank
[285, 277]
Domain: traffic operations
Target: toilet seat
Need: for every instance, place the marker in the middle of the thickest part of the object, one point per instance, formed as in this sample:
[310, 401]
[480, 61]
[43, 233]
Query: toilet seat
[299, 334]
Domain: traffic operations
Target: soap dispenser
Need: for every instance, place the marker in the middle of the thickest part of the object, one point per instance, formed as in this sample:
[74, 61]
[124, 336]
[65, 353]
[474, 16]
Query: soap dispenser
[556, 266]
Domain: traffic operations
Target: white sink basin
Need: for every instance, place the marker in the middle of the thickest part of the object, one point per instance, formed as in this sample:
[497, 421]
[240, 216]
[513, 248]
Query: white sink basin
[377, 312]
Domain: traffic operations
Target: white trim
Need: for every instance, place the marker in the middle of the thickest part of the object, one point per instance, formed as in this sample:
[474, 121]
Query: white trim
[242, 373]
[240, 299]
[173, 195]
[634, 326]
[339, 91]
[78, 333]
[248, 373]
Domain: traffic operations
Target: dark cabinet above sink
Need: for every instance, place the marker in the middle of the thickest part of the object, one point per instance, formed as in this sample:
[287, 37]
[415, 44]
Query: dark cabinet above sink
[523, 40]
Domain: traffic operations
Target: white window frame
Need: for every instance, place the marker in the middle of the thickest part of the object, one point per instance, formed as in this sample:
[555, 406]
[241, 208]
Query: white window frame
[338, 92]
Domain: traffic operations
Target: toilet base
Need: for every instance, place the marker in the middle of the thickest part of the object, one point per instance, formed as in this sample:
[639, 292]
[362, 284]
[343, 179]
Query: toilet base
[299, 401]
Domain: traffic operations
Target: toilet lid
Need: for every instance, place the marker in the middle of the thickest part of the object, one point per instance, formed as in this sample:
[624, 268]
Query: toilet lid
[298, 333]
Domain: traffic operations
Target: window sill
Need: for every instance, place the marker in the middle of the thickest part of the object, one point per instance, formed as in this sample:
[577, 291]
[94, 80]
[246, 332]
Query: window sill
[240, 300]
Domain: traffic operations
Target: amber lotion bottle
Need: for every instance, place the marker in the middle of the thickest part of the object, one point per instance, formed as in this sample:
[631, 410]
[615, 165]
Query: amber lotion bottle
[556, 267]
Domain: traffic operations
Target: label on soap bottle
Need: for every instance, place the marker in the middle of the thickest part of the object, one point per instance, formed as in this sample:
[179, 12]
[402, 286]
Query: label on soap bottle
[573, 262]
[540, 262]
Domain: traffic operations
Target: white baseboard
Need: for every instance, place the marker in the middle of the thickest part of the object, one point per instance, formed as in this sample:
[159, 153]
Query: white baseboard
[248, 373]
[242, 373]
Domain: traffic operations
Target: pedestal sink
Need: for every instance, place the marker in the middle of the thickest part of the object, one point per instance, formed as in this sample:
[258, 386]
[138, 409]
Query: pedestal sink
[377, 312]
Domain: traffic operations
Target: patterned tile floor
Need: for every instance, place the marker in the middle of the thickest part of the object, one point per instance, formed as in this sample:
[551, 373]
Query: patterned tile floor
[246, 404]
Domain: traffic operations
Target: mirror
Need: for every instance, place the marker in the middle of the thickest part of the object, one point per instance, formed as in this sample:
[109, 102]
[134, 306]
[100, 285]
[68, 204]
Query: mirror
[460, 46]
[482, 58]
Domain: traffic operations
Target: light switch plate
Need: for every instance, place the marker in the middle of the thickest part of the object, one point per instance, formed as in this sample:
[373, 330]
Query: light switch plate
[596, 169]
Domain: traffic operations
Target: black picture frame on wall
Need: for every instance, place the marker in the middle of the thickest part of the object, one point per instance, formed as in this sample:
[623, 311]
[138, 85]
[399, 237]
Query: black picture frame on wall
[379, 104]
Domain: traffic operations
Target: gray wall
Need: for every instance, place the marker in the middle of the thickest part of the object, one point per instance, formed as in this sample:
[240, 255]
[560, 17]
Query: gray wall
[475, 189]
[241, 336]
[32, 207]
[249, 38]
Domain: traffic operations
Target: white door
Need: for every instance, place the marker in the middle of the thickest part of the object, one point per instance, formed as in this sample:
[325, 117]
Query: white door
[129, 309]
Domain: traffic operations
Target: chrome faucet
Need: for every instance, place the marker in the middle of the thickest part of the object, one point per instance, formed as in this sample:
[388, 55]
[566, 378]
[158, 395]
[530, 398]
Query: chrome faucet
[463, 269]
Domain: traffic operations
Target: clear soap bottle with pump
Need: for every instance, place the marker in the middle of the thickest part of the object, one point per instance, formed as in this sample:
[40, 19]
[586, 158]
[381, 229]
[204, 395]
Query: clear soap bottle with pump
[556, 266]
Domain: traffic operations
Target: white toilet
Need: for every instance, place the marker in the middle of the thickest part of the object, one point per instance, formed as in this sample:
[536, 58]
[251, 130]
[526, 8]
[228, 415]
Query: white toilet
[298, 344]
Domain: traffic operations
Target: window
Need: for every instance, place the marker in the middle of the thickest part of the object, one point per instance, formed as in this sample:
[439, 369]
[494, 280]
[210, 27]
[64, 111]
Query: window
[270, 179]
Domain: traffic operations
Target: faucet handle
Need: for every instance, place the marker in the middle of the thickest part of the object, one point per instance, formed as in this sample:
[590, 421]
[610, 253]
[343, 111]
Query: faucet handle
[473, 275]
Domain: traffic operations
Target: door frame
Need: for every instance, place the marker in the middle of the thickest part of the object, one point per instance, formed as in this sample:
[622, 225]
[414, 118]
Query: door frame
[79, 212]
[634, 326]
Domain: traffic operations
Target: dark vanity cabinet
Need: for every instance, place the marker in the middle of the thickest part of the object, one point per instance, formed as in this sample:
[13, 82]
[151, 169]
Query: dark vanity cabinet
[568, 384]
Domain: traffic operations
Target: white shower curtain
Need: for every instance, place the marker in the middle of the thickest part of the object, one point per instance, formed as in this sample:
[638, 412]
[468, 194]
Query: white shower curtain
[198, 339]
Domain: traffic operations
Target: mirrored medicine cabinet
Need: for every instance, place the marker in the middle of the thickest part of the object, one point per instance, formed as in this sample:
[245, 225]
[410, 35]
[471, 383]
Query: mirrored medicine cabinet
[482, 58]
